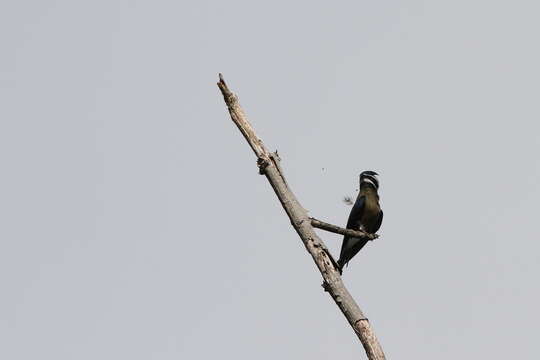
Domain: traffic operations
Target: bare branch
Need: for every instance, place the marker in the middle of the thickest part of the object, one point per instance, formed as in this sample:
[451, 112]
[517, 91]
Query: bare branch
[268, 166]
[338, 230]
[240, 119]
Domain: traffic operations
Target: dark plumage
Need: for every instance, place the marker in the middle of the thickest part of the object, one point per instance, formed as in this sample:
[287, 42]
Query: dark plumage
[366, 215]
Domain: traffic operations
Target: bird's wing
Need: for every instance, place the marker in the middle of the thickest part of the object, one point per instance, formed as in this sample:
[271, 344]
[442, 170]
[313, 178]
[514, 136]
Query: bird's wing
[356, 213]
[348, 244]
[379, 221]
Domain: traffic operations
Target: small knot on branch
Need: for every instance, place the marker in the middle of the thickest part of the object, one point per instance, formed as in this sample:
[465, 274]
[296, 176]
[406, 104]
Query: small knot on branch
[325, 286]
[262, 163]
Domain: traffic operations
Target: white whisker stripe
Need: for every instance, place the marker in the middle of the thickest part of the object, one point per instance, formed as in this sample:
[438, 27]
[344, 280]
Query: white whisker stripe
[368, 180]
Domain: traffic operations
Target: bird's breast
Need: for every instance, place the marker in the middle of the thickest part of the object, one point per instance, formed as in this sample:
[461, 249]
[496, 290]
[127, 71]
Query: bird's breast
[370, 215]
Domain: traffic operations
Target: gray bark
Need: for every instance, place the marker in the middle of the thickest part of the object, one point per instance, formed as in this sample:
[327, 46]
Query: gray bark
[338, 230]
[269, 166]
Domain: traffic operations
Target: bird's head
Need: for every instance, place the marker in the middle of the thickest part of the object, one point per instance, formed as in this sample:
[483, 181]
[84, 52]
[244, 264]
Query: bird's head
[369, 178]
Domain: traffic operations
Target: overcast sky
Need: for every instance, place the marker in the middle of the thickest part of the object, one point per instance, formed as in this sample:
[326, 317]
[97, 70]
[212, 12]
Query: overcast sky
[135, 225]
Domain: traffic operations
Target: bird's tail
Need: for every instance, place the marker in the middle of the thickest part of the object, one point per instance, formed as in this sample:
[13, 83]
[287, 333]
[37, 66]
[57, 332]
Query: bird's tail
[349, 251]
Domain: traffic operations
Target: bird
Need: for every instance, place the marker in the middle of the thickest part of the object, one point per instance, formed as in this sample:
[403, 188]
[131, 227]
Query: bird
[365, 215]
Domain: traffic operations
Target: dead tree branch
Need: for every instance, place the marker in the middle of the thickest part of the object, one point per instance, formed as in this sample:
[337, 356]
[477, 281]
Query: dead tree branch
[338, 230]
[269, 166]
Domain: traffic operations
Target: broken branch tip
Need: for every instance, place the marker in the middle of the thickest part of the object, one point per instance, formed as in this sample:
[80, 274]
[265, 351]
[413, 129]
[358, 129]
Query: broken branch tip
[221, 79]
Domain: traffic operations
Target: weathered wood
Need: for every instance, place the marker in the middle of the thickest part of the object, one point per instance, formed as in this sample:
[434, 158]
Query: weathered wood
[269, 166]
[338, 230]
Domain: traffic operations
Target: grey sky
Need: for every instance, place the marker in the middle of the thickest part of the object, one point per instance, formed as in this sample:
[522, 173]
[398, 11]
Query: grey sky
[135, 225]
